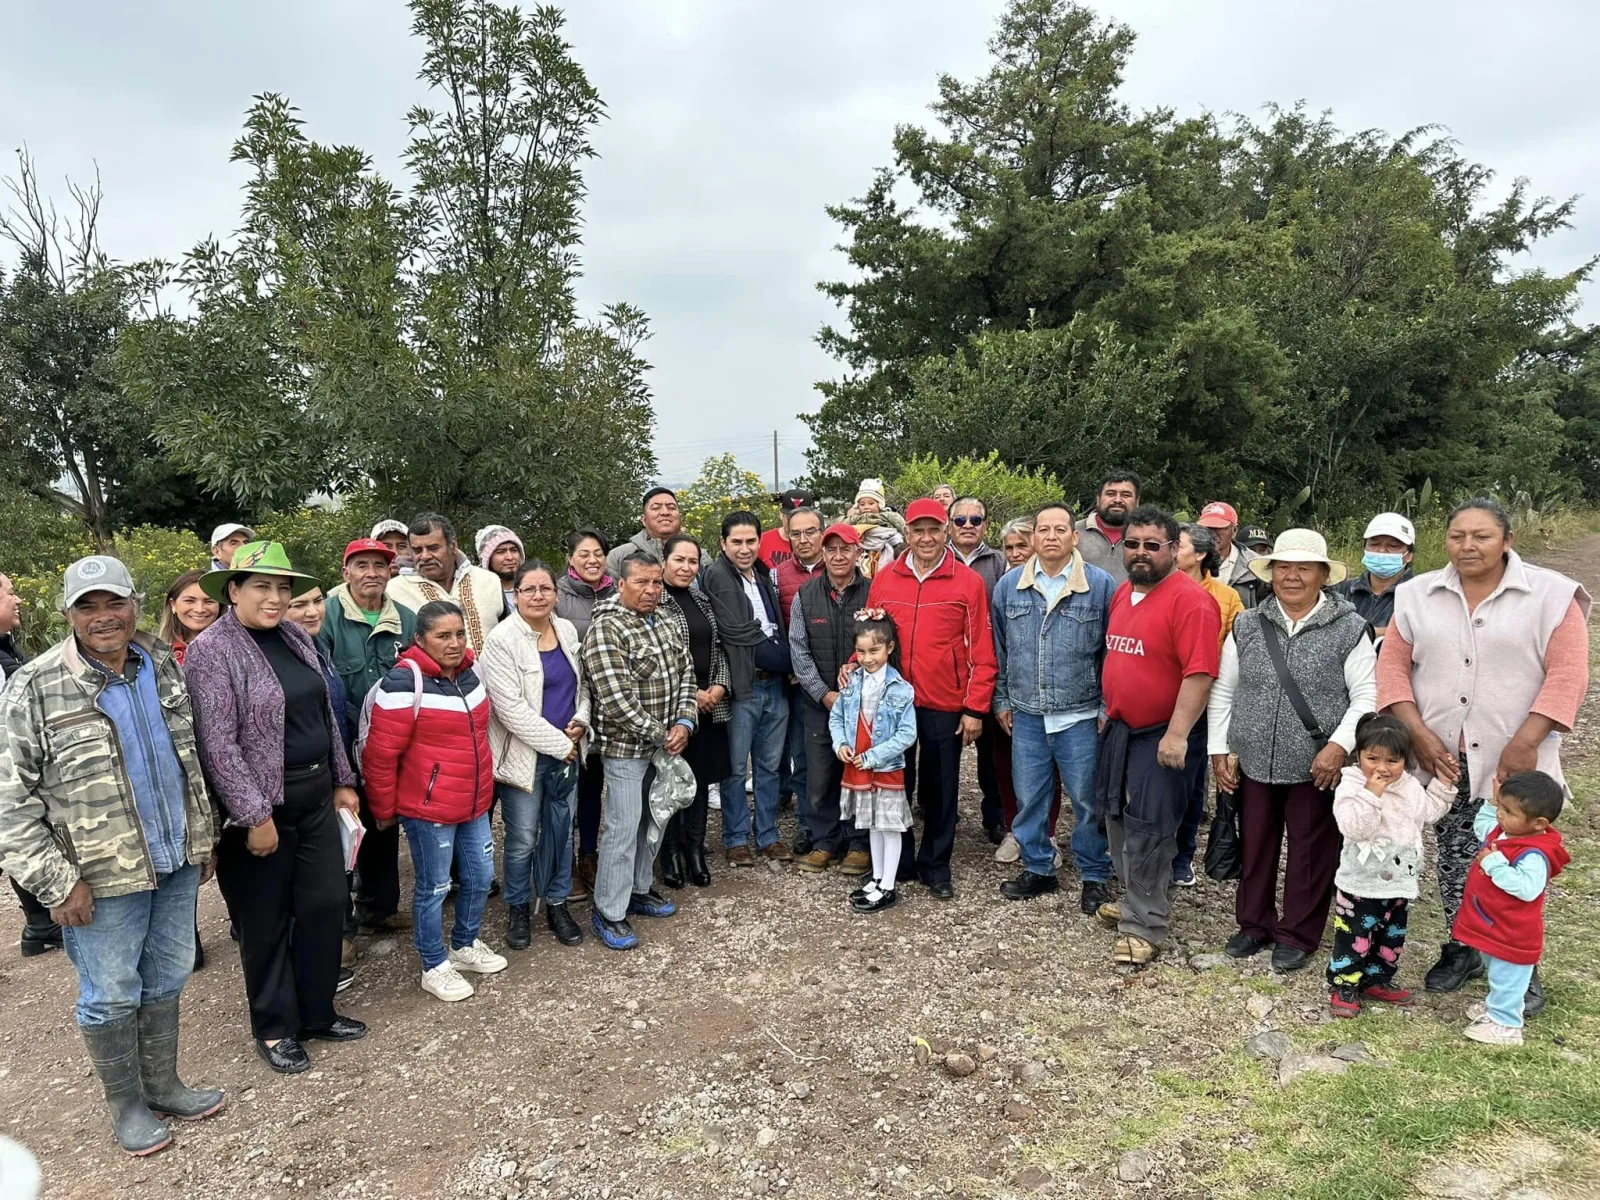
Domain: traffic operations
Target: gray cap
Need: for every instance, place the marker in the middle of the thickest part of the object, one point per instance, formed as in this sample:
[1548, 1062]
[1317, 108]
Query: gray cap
[97, 573]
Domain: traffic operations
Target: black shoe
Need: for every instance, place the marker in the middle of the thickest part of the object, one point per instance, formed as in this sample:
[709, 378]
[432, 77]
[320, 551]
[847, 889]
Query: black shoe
[1028, 885]
[1095, 893]
[562, 924]
[941, 889]
[347, 976]
[869, 884]
[802, 845]
[518, 933]
[288, 1057]
[1288, 958]
[995, 833]
[879, 902]
[494, 888]
[42, 936]
[233, 930]
[1243, 945]
[1456, 965]
[694, 862]
[672, 867]
[340, 1029]
[1533, 1001]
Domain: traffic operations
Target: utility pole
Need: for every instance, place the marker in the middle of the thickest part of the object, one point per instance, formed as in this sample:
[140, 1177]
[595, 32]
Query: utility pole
[777, 484]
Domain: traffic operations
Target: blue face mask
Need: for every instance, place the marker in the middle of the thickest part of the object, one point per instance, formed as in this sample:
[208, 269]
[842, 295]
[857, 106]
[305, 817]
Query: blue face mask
[1384, 566]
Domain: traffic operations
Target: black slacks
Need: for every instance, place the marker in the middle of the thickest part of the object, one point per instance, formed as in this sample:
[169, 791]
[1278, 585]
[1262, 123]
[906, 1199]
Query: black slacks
[933, 776]
[375, 886]
[824, 776]
[289, 907]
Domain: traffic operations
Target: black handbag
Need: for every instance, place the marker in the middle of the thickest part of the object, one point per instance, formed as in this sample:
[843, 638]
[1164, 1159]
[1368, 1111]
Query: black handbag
[1224, 849]
[1291, 689]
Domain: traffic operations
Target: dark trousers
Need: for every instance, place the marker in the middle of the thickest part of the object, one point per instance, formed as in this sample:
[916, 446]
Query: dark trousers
[933, 775]
[1266, 812]
[687, 826]
[375, 887]
[35, 910]
[1457, 844]
[824, 776]
[990, 786]
[591, 779]
[289, 907]
[1368, 936]
[1189, 831]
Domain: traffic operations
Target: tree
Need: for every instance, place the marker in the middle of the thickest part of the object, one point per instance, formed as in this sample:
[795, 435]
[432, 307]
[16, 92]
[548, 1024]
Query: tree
[1302, 308]
[72, 438]
[424, 344]
[722, 487]
[1007, 492]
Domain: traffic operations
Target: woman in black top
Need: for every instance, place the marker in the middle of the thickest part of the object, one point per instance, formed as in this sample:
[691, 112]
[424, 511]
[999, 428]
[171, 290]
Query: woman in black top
[269, 744]
[683, 849]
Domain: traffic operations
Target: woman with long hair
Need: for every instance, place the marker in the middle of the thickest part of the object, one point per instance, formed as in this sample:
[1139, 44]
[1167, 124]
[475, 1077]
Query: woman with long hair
[187, 612]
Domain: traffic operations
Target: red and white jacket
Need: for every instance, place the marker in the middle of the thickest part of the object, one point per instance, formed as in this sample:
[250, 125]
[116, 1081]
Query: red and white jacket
[428, 756]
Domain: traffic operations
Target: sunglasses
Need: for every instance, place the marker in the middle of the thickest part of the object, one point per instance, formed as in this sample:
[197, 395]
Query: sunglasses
[1149, 544]
[965, 521]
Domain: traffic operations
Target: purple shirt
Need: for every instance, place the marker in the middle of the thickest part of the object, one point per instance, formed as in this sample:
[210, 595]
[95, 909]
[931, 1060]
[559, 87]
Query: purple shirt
[560, 688]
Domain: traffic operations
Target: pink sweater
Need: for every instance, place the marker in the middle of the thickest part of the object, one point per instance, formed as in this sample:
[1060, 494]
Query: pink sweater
[1476, 676]
[1383, 834]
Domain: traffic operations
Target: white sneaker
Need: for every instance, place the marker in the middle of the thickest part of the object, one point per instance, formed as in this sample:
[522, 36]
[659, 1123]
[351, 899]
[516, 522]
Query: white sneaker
[1492, 1033]
[1008, 851]
[714, 797]
[477, 958]
[1477, 1010]
[445, 982]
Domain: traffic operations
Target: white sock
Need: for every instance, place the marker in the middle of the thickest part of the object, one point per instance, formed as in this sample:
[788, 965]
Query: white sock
[885, 858]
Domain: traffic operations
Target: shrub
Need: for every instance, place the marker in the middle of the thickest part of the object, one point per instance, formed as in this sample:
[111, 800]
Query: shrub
[1008, 492]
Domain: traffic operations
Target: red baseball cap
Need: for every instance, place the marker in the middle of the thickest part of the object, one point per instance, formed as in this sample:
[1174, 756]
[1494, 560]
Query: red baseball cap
[927, 509]
[845, 533]
[1218, 515]
[367, 546]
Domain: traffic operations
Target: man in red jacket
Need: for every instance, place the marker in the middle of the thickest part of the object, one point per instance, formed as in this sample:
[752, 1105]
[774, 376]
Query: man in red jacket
[940, 610]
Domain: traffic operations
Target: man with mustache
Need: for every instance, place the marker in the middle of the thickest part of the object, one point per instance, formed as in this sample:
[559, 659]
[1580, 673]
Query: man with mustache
[104, 817]
[1100, 534]
[1162, 638]
[444, 573]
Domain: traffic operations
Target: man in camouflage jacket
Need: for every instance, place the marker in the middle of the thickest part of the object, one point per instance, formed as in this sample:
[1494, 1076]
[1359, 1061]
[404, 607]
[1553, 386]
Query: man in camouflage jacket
[104, 816]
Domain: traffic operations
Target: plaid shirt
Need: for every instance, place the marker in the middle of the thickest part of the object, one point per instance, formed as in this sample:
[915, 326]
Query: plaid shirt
[641, 680]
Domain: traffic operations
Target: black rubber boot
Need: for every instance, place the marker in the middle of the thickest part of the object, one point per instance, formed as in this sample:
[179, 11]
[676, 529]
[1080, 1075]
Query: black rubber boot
[518, 931]
[694, 839]
[1533, 1002]
[164, 1092]
[39, 932]
[1456, 965]
[672, 852]
[114, 1050]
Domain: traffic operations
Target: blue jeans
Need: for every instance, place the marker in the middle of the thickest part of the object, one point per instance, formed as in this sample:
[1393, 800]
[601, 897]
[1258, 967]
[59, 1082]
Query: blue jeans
[1508, 989]
[539, 833]
[138, 949]
[433, 847]
[759, 730]
[1035, 758]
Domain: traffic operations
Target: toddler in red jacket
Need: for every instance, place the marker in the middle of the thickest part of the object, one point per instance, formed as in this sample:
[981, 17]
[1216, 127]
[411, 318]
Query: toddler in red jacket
[1502, 908]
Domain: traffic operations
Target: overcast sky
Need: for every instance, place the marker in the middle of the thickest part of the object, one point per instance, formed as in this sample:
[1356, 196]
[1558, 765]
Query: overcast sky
[732, 123]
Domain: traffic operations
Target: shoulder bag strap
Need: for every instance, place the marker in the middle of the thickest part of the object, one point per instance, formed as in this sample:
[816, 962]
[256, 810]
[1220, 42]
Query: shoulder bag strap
[1291, 689]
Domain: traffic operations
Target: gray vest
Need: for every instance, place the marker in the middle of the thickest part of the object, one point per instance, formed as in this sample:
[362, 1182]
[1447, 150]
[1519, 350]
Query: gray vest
[1264, 731]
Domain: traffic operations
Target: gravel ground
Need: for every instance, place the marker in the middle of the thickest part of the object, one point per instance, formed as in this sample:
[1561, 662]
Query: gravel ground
[765, 1041]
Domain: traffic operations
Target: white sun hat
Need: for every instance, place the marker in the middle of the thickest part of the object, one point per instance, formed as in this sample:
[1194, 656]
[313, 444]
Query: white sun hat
[1298, 545]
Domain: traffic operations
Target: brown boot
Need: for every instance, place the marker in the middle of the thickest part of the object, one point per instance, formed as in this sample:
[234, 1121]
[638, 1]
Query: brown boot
[778, 852]
[857, 862]
[583, 876]
[740, 856]
[814, 862]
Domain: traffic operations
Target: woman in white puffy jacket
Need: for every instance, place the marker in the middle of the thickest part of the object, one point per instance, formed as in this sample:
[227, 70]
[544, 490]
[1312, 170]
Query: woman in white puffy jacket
[539, 721]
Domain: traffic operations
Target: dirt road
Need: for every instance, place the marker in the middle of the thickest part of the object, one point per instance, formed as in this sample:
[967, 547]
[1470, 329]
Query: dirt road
[762, 1042]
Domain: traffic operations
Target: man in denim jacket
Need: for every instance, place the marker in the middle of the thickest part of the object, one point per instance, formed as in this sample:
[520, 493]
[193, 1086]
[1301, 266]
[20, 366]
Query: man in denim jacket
[1049, 618]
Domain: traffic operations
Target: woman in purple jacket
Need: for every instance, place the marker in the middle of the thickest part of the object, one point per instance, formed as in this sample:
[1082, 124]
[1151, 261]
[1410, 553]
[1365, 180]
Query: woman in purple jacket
[269, 743]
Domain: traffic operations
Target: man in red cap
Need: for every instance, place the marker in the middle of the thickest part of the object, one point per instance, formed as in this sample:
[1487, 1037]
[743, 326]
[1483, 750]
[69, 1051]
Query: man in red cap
[821, 641]
[362, 633]
[941, 616]
[1221, 519]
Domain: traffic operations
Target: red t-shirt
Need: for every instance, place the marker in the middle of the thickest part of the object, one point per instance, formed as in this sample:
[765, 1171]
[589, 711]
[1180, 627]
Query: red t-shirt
[1151, 647]
[774, 548]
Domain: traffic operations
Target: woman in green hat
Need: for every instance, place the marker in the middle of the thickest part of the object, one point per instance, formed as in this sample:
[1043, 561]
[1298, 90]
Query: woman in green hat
[270, 747]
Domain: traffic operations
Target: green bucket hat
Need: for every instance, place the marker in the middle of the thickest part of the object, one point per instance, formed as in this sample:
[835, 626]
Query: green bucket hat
[254, 558]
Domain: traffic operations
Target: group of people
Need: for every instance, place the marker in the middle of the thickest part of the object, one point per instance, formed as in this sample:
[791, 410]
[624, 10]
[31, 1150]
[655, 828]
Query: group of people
[284, 739]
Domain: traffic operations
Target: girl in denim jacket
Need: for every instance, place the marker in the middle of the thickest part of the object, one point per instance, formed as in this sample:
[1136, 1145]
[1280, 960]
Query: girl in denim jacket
[873, 724]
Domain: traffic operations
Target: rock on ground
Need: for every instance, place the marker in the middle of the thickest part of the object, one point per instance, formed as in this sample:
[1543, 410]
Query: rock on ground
[1295, 1065]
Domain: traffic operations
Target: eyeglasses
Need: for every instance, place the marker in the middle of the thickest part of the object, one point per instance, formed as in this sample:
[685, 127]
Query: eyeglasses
[536, 591]
[965, 521]
[1149, 544]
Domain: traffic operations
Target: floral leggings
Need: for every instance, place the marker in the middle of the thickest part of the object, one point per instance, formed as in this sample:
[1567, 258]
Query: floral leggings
[1368, 936]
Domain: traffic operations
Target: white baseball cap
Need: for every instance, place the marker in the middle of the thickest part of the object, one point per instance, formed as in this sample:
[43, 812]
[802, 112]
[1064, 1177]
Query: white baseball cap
[1391, 525]
[97, 573]
[223, 532]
